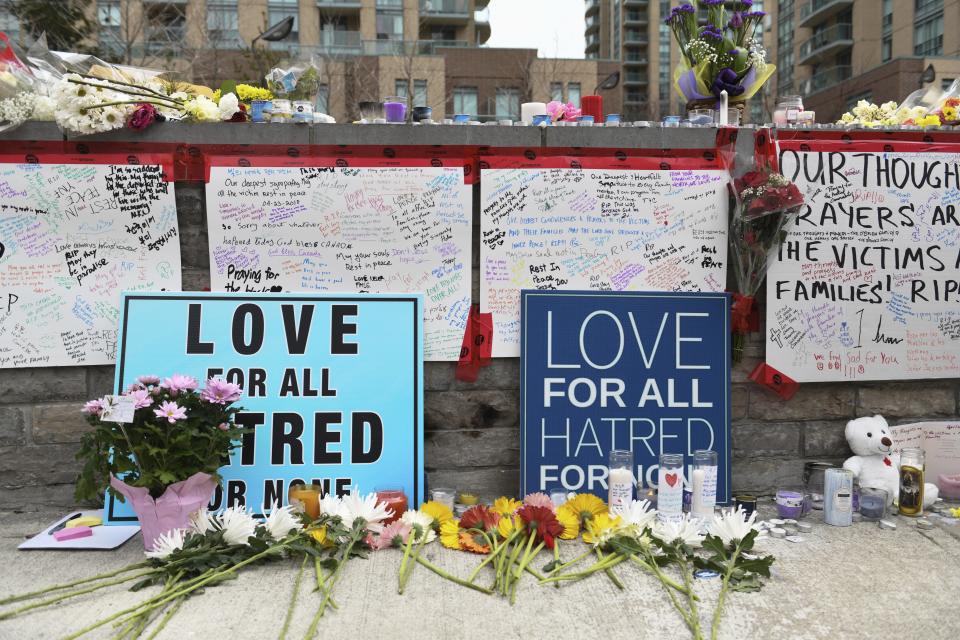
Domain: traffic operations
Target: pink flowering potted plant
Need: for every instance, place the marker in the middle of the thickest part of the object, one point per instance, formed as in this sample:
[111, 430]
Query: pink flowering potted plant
[166, 460]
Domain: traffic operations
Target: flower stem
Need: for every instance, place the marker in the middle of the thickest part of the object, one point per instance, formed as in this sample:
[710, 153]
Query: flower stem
[684, 614]
[609, 561]
[67, 585]
[6, 615]
[662, 576]
[328, 590]
[527, 559]
[718, 612]
[174, 102]
[610, 574]
[443, 574]
[146, 90]
[293, 600]
[166, 618]
[416, 554]
[490, 557]
[572, 562]
[694, 612]
[403, 563]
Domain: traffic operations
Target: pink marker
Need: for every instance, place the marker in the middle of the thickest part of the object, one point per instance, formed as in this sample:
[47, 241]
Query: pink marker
[73, 534]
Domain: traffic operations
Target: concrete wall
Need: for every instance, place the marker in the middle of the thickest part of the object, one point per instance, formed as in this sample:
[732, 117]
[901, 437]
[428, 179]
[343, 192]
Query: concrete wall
[471, 429]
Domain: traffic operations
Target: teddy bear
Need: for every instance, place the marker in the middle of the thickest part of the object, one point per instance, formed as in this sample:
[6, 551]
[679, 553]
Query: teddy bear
[875, 465]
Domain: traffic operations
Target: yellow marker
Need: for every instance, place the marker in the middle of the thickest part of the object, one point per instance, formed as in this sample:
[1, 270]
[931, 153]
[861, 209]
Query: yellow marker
[84, 521]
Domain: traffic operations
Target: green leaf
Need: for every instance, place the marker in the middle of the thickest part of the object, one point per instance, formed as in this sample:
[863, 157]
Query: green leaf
[228, 87]
[550, 566]
[715, 544]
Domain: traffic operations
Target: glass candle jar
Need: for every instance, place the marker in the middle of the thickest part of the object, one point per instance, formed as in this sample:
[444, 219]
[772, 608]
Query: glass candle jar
[788, 110]
[395, 108]
[670, 488]
[305, 498]
[395, 500]
[703, 483]
[813, 484]
[443, 496]
[558, 496]
[838, 497]
[911, 482]
[873, 503]
[620, 479]
[790, 503]
[701, 116]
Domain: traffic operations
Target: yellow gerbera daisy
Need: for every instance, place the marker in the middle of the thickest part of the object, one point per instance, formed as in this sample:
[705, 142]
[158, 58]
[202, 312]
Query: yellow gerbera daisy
[439, 512]
[571, 523]
[507, 524]
[450, 534]
[505, 506]
[586, 506]
[601, 527]
[320, 535]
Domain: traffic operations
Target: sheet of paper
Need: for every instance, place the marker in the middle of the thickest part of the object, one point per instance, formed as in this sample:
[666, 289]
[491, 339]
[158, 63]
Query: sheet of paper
[72, 237]
[940, 442]
[598, 229]
[395, 229]
[867, 283]
[119, 409]
[103, 537]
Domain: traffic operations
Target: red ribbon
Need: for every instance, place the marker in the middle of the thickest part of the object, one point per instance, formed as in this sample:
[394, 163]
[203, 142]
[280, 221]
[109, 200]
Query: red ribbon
[777, 382]
[740, 313]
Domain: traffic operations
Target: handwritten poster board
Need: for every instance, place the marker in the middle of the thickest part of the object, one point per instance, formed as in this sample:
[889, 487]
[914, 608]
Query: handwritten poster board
[332, 385]
[648, 372]
[382, 229]
[72, 237]
[866, 285]
[597, 229]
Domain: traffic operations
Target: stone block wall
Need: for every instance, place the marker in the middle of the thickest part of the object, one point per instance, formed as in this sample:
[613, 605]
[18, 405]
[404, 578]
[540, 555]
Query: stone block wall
[472, 430]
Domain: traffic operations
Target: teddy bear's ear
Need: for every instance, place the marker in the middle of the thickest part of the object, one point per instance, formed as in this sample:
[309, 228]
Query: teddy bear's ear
[881, 419]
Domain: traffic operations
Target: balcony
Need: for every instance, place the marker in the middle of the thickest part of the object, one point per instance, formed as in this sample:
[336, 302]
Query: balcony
[634, 58]
[340, 42]
[592, 43]
[634, 97]
[635, 17]
[634, 77]
[481, 20]
[445, 11]
[816, 11]
[339, 6]
[635, 37]
[593, 6]
[827, 78]
[480, 4]
[593, 23]
[826, 43]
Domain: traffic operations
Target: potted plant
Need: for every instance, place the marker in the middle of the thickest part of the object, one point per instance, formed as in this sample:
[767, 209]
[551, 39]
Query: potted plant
[166, 459]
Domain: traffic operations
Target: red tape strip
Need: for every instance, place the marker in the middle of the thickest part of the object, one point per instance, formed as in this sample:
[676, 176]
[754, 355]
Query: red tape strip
[477, 347]
[779, 383]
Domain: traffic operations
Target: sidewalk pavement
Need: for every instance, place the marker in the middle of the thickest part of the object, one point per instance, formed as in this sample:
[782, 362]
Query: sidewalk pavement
[856, 582]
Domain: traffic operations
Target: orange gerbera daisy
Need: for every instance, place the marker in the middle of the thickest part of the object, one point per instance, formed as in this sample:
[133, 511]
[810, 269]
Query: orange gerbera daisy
[479, 517]
[474, 542]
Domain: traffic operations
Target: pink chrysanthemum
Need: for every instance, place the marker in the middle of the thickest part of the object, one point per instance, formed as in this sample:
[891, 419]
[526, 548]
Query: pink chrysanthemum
[171, 411]
[540, 499]
[93, 408]
[176, 383]
[220, 391]
[148, 380]
[142, 398]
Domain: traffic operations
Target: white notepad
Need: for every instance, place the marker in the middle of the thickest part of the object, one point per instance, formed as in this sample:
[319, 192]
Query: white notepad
[103, 537]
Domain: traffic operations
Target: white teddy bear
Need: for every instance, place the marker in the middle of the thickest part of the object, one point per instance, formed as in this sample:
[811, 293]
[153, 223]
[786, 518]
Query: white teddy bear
[875, 465]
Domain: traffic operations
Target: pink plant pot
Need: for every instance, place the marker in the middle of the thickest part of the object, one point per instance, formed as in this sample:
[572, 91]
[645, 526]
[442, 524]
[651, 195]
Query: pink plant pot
[170, 511]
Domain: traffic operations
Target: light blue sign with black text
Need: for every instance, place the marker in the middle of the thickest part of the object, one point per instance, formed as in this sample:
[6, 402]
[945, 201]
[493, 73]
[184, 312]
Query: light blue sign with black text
[332, 385]
[644, 371]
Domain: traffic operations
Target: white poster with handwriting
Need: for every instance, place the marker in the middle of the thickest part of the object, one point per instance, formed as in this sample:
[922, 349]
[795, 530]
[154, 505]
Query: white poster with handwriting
[866, 285]
[392, 229]
[72, 237]
[597, 229]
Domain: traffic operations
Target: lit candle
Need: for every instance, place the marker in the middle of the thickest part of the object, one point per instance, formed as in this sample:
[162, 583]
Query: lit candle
[306, 498]
[723, 108]
[696, 498]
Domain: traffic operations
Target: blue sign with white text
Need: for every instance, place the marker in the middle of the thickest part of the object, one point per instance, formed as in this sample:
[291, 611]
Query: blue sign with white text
[332, 385]
[643, 371]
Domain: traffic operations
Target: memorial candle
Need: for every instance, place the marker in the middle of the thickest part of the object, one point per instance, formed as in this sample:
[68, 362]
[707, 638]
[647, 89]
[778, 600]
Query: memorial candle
[306, 498]
[395, 500]
[620, 479]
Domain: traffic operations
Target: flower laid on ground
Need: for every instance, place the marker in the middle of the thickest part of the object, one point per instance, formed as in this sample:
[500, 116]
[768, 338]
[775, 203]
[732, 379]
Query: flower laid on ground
[423, 521]
[560, 111]
[143, 116]
[601, 528]
[539, 499]
[248, 93]
[166, 544]
[585, 506]
[394, 535]
[175, 434]
[439, 512]
[450, 534]
[505, 506]
[685, 530]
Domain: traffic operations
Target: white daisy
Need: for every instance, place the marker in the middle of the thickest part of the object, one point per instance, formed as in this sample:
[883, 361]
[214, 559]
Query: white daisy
[366, 508]
[684, 530]
[331, 505]
[637, 515]
[167, 543]
[420, 518]
[238, 525]
[732, 526]
[281, 522]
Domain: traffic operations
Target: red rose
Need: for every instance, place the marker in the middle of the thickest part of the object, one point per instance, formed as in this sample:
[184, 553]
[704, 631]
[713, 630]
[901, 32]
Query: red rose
[754, 179]
[142, 117]
[241, 115]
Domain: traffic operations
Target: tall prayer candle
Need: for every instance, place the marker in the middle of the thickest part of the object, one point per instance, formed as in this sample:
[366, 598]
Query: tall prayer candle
[723, 108]
[620, 479]
[592, 106]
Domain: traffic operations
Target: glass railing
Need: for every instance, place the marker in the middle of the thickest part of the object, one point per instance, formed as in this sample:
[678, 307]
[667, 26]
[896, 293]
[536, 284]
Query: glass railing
[816, 5]
[827, 78]
[402, 48]
[338, 40]
[340, 3]
[635, 16]
[634, 38]
[447, 7]
[592, 4]
[831, 35]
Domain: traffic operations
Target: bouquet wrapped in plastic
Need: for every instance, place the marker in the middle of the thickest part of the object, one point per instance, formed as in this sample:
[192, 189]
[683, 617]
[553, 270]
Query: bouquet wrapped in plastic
[764, 203]
[18, 88]
[722, 55]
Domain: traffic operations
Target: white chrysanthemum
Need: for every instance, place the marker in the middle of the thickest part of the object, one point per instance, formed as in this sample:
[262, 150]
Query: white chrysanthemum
[238, 525]
[637, 515]
[685, 530]
[44, 108]
[202, 521]
[229, 105]
[367, 508]
[331, 505]
[420, 518]
[167, 543]
[732, 526]
[203, 109]
[281, 522]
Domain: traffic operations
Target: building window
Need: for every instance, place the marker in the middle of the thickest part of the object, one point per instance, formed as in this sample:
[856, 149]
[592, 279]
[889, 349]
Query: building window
[166, 26]
[664, 71]
[389, 25]
[9, 23]
[323, 99]
[573, 93]
[853, 100]
[223, 29]
[402, 88]
[785, 46]
[887, 16]
[886, 48]
[419, 93]
[108, 21]
[556, 91]
[465, 100]
[508, 104]
[279, 10]
[928, 35]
